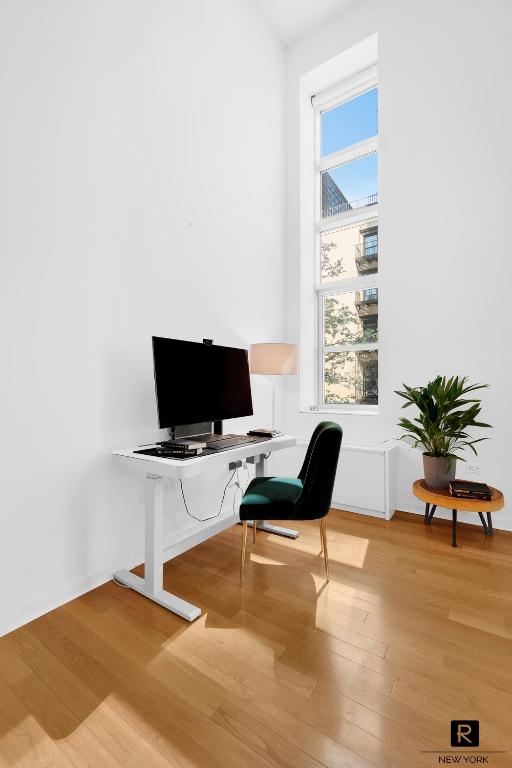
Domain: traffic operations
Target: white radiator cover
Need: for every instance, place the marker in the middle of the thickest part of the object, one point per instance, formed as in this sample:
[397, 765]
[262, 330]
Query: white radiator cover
[365, 481]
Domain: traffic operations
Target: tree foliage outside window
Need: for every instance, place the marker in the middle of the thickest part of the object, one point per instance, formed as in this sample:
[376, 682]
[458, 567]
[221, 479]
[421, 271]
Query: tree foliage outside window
[342, 325]
[330, 270]
[355, 372]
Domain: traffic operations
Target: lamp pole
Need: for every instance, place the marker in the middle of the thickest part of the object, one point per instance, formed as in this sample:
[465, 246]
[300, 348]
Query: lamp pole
[273, 402]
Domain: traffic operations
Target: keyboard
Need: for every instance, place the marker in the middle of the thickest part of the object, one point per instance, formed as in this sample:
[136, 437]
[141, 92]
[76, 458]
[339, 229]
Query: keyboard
[222, 442]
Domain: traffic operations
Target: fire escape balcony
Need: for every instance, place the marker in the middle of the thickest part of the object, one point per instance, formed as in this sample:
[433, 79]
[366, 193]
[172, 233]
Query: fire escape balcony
[367, 302]
[367, 258]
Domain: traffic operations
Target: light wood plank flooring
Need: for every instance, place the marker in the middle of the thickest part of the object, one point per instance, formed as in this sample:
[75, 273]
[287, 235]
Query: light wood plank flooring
[366, 671]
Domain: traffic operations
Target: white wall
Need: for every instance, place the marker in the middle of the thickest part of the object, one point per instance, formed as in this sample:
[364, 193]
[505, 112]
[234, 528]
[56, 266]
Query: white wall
[141, 193]
[445, 164]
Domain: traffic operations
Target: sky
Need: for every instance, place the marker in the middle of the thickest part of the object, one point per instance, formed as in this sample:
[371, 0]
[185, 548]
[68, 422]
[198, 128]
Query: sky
[351, 122]
[358, 179]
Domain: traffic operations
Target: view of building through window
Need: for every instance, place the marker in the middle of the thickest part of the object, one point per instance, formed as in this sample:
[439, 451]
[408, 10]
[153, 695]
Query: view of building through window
[349, 251]
[350, 186]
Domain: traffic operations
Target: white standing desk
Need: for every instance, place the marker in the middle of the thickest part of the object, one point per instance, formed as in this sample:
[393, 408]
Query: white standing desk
[155, 470]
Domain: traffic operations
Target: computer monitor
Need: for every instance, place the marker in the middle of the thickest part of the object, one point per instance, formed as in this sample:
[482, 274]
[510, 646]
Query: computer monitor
[200, 382]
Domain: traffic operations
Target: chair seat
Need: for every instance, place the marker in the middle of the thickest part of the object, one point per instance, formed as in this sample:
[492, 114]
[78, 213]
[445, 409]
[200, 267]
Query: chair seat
[271, 497]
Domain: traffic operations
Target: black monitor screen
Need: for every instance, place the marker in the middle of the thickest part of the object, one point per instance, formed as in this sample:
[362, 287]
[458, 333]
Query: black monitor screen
[197, 382]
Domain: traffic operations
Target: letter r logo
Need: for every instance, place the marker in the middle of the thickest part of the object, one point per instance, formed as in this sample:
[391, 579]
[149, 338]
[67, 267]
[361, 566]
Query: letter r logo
[465, 733]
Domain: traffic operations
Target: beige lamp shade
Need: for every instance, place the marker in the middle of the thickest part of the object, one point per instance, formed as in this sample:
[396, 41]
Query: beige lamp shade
[273, 359]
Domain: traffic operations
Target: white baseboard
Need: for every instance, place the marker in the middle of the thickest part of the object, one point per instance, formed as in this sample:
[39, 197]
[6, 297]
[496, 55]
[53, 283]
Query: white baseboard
[173, 547]
[177, 543]
[500, 520]
[50, 602]
[358, 510]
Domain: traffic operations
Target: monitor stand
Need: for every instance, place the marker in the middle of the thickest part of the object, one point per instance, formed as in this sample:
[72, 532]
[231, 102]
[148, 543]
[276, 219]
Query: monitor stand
[194, 430]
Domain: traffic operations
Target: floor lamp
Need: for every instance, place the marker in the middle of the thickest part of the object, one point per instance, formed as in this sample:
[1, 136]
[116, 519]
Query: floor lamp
[273, 360]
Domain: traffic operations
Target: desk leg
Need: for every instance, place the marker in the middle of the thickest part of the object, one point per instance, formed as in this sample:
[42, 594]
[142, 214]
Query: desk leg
[151, 586]
[454, 527]
[290, 533]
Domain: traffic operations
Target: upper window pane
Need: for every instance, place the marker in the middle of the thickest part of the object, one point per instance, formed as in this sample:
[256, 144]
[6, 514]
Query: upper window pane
[349, 252]
[349, 123]
[351, 185]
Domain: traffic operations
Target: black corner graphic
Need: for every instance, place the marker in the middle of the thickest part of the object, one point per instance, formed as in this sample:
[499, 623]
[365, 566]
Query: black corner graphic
[465, 733]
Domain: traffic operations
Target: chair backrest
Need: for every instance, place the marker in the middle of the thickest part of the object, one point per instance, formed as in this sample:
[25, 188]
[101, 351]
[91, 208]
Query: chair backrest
[318, 472]
[305, 465]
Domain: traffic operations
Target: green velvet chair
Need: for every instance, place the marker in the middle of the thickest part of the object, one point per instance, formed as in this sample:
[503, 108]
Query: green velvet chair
[306, 497]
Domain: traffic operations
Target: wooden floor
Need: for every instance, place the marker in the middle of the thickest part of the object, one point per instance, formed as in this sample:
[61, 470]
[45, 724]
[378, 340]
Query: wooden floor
[367, 671]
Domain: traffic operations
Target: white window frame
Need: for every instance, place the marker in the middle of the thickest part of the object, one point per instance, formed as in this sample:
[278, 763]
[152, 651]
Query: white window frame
[332, 97]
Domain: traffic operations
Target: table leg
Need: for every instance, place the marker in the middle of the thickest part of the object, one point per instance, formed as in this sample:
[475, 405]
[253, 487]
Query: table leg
[431, 515]
[263, 525]
[151, 586]
[489, 524]
[454, 528]
[427, 512]
[486, 528]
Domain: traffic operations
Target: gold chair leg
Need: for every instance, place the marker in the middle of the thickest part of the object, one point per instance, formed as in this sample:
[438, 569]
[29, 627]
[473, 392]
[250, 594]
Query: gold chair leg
[254, 527]
[321, 535]
[324, 541]
[242, 552]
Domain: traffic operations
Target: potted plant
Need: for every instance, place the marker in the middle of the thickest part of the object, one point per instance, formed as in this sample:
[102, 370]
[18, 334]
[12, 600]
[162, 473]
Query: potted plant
[440, 429]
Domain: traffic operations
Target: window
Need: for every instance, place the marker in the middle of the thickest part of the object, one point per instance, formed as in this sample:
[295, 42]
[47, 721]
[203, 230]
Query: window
[370, 245]
[347, 245]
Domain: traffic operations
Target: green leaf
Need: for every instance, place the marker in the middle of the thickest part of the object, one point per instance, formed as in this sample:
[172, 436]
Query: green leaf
[444, 415]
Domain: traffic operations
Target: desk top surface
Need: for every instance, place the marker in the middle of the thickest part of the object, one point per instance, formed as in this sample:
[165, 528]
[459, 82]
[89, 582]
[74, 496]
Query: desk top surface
[180, 468]
[443, 498]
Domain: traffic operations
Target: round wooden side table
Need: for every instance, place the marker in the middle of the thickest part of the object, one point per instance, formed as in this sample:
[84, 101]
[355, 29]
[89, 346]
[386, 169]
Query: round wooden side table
[436, 497]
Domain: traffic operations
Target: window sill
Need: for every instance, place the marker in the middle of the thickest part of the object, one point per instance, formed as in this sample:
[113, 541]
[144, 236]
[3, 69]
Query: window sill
[342, 412]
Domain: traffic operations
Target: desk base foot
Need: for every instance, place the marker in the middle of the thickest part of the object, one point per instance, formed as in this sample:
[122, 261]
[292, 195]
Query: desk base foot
[278, 530]
[165, 599]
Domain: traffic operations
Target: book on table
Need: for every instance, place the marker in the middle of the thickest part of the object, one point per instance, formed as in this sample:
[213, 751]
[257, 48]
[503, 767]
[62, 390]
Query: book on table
[466, 489]
[184, 444]
[173, 452]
